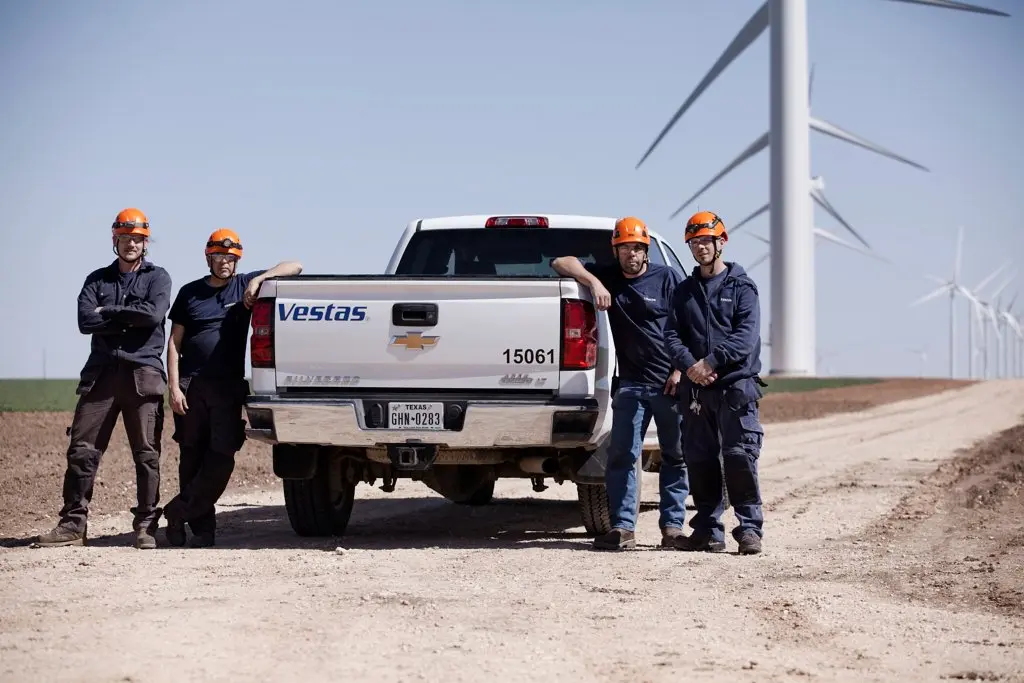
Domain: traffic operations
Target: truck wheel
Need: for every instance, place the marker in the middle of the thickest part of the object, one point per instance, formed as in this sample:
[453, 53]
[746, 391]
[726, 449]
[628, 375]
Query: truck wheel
[322, 505]
[594, 506]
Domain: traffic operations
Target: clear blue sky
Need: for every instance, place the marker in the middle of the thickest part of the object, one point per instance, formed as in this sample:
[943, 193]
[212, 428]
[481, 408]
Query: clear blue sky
[319, 129]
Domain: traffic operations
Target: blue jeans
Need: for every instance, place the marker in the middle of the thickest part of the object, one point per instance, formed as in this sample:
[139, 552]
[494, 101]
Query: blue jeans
[726, 423]
[632, 409]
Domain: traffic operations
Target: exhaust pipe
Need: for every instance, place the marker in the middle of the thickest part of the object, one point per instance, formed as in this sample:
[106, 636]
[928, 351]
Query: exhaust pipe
[538, 464]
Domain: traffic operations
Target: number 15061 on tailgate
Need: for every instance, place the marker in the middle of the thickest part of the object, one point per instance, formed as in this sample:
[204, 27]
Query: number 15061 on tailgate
[416, 416]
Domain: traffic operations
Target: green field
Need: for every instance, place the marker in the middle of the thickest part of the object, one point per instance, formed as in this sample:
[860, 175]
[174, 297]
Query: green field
[37, 395]
[793, 385]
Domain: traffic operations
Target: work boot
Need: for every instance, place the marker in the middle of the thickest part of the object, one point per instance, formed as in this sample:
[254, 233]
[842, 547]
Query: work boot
[203, 539]
[175, 531]
[61, 535]
[750, 542]
[670, 536]
[144, 539]
[700, 542]
[616, 539]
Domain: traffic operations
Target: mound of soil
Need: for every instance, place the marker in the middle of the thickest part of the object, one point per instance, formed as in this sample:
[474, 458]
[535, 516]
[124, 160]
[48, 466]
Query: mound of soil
[963, 523]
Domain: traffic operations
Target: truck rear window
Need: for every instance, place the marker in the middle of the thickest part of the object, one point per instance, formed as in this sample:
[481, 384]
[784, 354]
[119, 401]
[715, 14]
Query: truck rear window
[504, 251]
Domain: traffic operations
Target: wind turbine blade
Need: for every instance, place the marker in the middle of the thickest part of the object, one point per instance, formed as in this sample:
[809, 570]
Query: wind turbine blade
[823, 201]
[998, 290]
[750, 151]
[754, 27]
[936, 278]
[991, 276]
[950, 4]
[835, 239]
[931, 295]
[846, 136]
[761, 259]
[966, 293]
[749, 218]
[810, 87]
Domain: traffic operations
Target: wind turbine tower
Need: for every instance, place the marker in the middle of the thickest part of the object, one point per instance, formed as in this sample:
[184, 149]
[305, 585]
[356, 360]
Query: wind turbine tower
[793, 334]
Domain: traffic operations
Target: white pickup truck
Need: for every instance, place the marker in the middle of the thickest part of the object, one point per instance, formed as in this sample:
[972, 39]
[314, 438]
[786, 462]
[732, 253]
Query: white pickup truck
[469, 360]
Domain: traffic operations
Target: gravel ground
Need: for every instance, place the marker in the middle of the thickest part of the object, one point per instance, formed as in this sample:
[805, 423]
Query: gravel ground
[893, 551]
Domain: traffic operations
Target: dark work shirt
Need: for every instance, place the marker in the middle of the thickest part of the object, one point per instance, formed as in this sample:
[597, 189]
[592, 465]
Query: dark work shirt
[637, 318]
[130, 326]
[718, 320]
[216, 326]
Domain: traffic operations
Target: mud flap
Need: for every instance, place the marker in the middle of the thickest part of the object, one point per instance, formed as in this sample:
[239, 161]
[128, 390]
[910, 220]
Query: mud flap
[295, 461]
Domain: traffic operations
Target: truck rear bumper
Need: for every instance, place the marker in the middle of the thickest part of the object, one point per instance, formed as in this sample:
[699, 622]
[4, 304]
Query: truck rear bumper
[564, 423]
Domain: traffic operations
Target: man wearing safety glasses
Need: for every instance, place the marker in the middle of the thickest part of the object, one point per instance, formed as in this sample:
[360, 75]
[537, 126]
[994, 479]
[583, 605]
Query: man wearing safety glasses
[206, 374]
[713, 335]
[123, 306]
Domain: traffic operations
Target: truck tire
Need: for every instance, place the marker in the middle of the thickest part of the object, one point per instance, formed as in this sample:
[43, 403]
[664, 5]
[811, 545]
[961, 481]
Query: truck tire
[594, 508]
[322, 505]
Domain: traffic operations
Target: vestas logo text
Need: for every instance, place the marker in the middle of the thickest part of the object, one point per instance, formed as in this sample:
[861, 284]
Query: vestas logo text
[330, 312]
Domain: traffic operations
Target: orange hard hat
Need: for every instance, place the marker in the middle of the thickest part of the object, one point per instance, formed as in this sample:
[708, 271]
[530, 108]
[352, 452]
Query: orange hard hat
[705, 223]
[630, 229]
[224, 241]
[131, 222]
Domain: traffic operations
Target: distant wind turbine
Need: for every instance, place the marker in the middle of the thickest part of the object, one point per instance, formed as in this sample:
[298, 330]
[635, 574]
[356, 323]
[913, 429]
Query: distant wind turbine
[983, 314]
[792, 269]
[952, 287]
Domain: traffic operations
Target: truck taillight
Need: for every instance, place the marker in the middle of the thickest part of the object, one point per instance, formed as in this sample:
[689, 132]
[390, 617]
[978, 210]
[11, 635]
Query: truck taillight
[579, 335]
[261, 344]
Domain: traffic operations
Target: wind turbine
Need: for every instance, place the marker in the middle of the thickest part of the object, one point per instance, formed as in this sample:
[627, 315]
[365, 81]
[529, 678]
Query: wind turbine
[817, 191]
[982, 314]
[792, 273]
[1002, 318]
[991, 315]
[952, 287]
[977, 317]
[1011, 352]
[922, 354]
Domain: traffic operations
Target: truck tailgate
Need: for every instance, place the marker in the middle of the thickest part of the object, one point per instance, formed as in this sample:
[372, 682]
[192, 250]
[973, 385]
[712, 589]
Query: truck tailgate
[409, 333]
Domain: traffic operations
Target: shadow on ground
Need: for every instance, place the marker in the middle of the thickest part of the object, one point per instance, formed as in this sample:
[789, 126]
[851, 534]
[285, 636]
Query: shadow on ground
[397, 523]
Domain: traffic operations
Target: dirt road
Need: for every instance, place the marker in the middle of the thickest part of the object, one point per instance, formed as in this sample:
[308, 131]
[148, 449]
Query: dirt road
[425, 590]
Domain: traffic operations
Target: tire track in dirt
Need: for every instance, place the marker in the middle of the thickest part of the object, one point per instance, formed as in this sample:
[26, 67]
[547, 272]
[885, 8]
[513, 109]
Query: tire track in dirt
[426, 590]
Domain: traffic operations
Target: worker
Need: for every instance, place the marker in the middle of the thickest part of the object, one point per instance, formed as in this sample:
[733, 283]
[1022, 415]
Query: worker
[206, 376]
[713, 335]
[123, 306]
[636, 295]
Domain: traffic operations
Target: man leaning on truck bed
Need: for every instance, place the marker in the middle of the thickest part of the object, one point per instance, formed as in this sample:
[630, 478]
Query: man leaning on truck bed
[636, 294]
[206, 374]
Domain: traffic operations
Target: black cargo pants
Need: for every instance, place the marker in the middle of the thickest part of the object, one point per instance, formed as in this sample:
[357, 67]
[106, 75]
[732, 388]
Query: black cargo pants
[209, 435]
[136, 393]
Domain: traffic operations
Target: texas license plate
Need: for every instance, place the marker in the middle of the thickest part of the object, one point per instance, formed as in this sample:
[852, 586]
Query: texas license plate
[416, 416]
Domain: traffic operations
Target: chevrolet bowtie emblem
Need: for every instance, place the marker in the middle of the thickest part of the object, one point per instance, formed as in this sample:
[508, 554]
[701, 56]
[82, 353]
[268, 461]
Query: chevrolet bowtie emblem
[414, 341]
